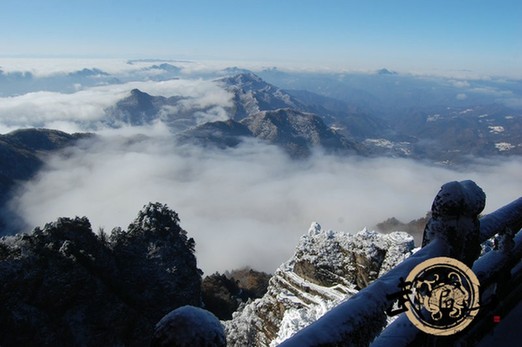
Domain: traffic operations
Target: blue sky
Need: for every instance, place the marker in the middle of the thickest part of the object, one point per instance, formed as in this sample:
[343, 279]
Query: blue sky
[482, 36]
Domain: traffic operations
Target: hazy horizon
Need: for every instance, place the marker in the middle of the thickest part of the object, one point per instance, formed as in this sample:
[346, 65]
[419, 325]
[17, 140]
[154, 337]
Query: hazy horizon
[482, 37]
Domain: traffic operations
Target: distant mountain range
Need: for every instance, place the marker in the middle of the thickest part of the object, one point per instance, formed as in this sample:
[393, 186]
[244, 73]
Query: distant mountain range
[299, 120]
[449, 133]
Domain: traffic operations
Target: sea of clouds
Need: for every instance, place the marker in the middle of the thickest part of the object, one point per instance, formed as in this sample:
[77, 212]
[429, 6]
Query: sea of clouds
[247, 205]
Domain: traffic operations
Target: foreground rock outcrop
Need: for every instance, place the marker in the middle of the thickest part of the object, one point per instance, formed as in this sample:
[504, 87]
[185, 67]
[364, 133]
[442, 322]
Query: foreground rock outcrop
[189, 326]
[328, 267]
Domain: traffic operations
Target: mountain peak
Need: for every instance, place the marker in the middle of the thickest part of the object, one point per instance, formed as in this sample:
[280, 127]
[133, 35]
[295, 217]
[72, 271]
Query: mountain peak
[137, 92]
[385, 71]
[252, 94]
[247, 81]
[234, 70]
[166, 67]
[88, 73]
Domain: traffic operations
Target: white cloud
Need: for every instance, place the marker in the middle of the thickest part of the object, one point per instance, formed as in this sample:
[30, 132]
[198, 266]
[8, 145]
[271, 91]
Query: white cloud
[211, 115]
[42, 107]
[121, 68]
[513, 102]
[49, 67]
[84, 108]
[492, 91]
[55, 66]
[460, 83]
[247, 205]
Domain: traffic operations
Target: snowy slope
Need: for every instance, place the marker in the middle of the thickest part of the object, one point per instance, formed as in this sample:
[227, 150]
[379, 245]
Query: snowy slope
[252, 95]
[327, 268]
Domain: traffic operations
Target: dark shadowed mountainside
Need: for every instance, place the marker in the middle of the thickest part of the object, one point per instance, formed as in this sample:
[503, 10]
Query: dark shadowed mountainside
[415, 227]
[220, 134]
[350, 120]
[22, 154]
[296, 132]
[140, 108]
[65, 286]
[224, 293]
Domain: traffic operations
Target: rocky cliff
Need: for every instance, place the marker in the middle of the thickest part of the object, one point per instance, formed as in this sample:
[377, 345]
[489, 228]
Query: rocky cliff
[327, 268]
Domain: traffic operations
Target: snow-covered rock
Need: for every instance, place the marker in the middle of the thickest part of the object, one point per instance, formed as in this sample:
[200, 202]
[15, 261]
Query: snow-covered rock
[252, 95]
[189, 326]
[327, 268]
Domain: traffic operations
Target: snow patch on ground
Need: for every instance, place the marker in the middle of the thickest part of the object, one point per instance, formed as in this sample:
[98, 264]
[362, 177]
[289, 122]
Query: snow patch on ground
[496, 129]
[189, 326]
[503, 146]
[433, 117]
[380, 143]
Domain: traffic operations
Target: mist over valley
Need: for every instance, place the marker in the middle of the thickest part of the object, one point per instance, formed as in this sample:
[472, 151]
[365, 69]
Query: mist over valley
[248, 163]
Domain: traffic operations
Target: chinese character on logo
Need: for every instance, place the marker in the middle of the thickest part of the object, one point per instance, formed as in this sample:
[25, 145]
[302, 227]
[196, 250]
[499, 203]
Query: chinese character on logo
[440, 296]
